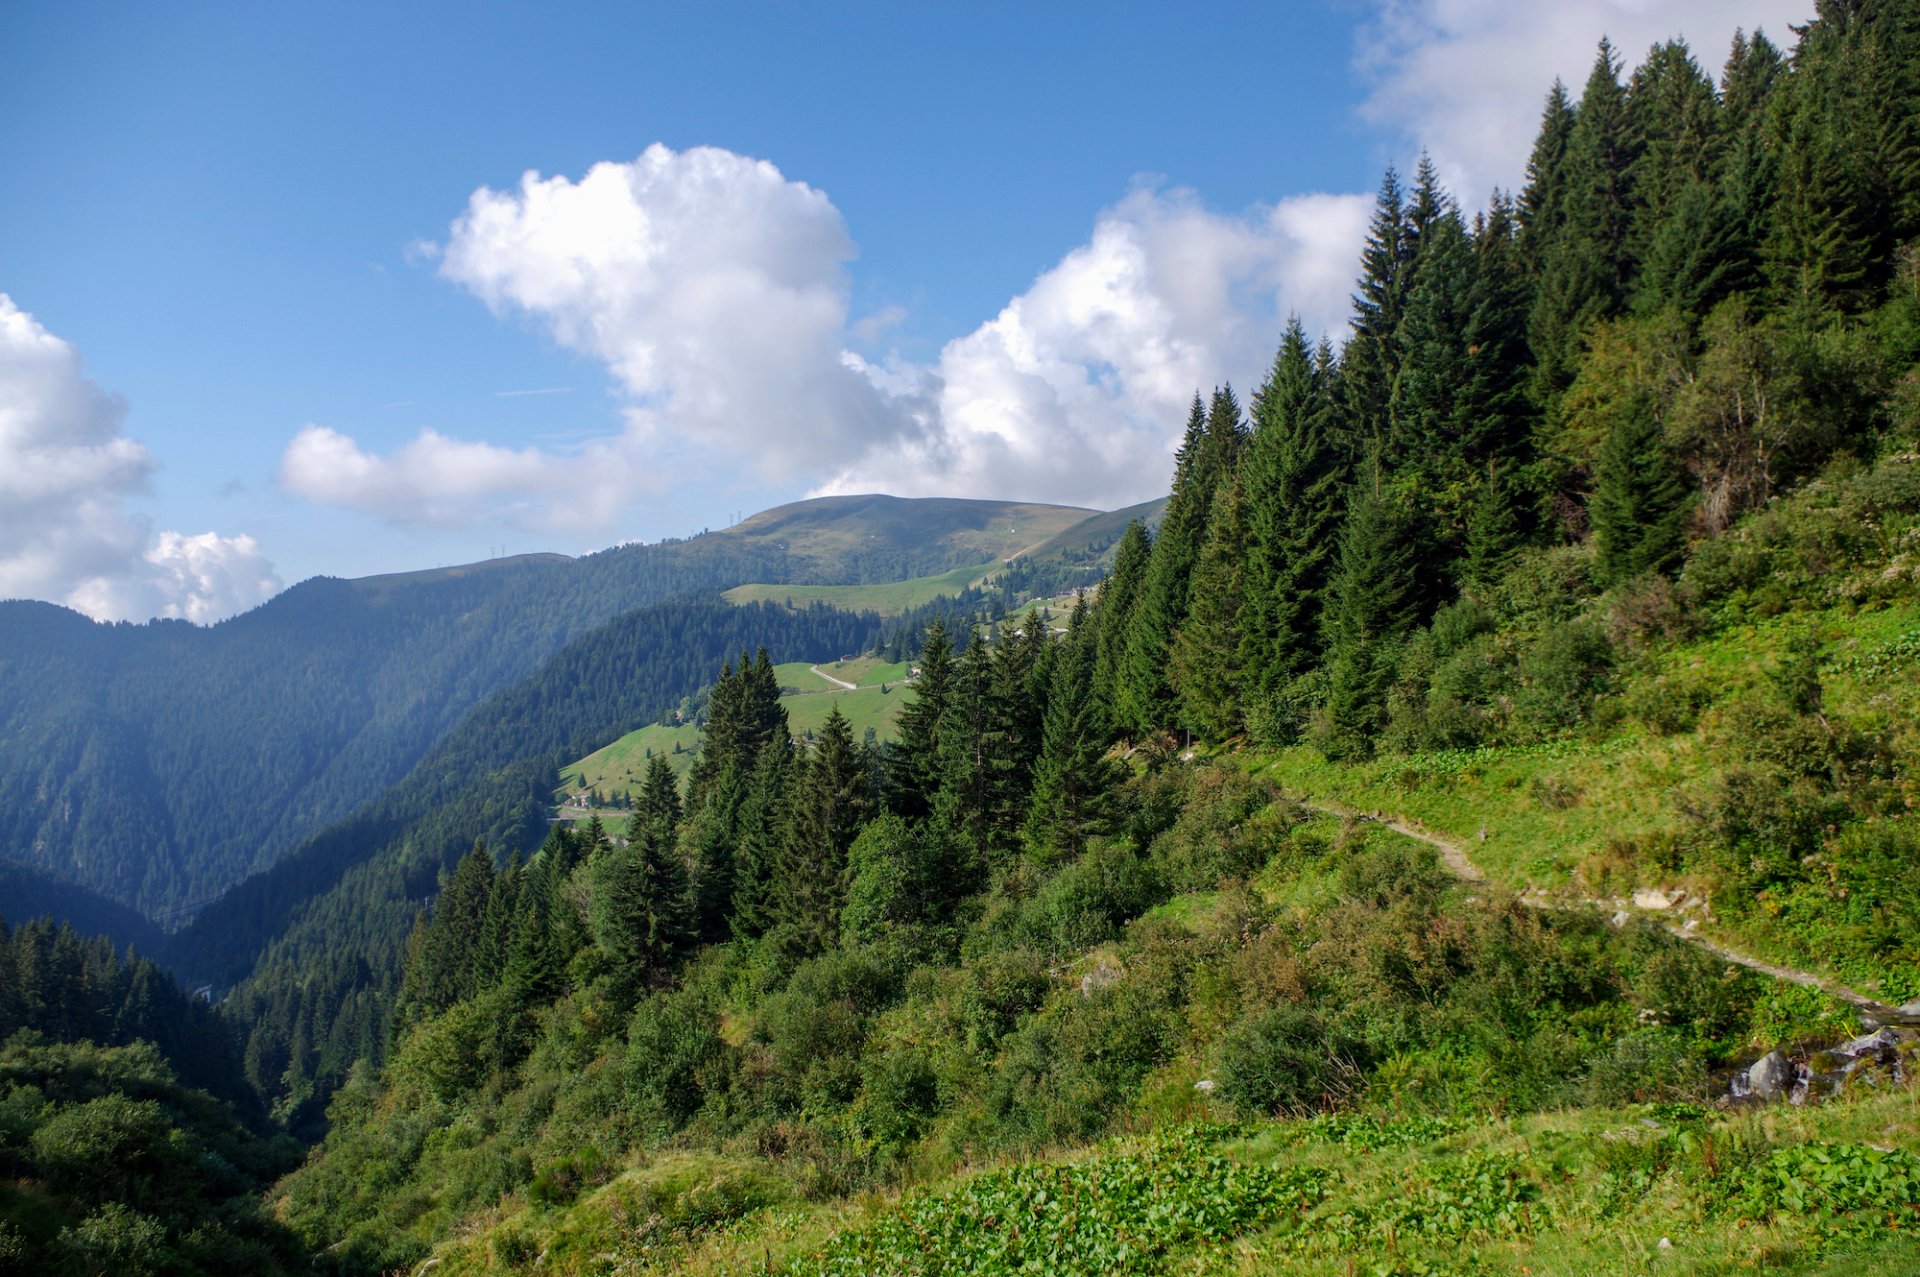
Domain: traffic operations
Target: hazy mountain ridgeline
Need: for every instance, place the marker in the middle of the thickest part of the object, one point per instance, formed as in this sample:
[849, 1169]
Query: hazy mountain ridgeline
[31, 893]
[159, 764]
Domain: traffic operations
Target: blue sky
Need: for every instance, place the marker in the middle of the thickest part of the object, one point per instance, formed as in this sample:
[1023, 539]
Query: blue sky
[258, 328]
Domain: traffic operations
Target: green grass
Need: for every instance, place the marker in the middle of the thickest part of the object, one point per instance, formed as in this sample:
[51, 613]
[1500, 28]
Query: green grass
[861, 671]
[867, 671]
[880, 695]
[866, 707]
[1830, 1189]
[888, 599]
[622, 765]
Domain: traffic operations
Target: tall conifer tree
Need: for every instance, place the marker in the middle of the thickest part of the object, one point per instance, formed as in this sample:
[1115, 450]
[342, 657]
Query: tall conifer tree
[1205, 664]
[917, 756]
[1640, 502]
[1073, 779]
[1296, 475]
[829, 803]
[1375, 603]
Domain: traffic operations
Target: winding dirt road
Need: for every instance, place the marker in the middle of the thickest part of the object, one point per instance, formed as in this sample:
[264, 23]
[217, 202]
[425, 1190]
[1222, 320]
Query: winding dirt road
[840, 683]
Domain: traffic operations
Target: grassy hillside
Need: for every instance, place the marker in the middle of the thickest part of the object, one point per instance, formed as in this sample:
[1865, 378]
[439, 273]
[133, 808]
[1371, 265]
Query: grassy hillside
[833, 535]
[866, 708]
[1097, 535]
[622, 765]
[1651, 1188]
[888, 598]
[879, 694]
[1747, 737]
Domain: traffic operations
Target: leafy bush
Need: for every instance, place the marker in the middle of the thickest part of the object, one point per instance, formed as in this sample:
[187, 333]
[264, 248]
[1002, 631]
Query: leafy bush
[1560, 674]
[674, 1053]
[118, 1240]
[1654, 1063]
[1286, 1059]
[1087, 902]
[1228, 828]
[559, 1182]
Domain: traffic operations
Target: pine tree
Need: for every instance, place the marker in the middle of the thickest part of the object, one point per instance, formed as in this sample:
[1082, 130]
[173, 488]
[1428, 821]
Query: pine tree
[763, 823]
[1371, 363]
[640, 903]
[1820, 247]
[970, 762]
[829, 804]
[534, 969]
[1021, 667]
[1543, 204]
[1073, 779]
[915, 775]
[1496, 416]
[1679, 134]
[1640, 502]
[496, 929]
[1207, 455]
[1375, 603]
[659, 796]
[1586, 275]
[1141, 691]
[721, 736]
[445, 969]
[1428, 413]
[708, 839]
[1296, 475]
[1204, 666]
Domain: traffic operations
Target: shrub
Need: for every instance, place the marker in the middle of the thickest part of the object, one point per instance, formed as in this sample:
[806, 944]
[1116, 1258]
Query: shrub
[1560, 675]
[1228, 829]
[1286, 1059]
[114, 1148]
[1087, 902]
[899, 1093]
[1654, 1063]
[674, 1053]
[115, 1239]
[561, 1180]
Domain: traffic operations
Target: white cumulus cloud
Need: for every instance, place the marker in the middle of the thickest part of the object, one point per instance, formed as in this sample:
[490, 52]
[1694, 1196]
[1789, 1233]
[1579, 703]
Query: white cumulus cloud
[713, 289]
[66, 472]
[1466, 79]
[1078, 388]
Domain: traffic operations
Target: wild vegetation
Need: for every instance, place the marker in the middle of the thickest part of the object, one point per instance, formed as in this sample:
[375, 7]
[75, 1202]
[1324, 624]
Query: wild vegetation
[1595, 546]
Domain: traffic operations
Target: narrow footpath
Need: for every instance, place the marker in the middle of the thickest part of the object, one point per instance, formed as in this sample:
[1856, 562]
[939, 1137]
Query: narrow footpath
[1461, 866]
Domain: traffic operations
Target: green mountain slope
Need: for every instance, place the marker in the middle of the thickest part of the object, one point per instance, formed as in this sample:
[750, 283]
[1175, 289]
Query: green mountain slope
[1096, 536]
[873, 538]
[809, 692]
[159, 764]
